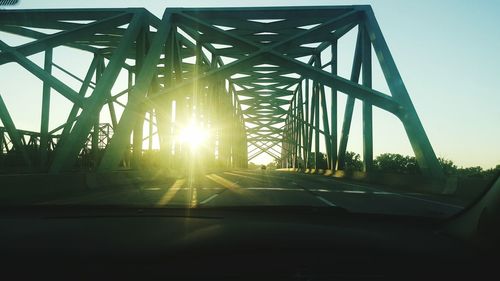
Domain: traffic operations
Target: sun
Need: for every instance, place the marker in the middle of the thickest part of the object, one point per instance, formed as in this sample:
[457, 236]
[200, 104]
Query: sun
[193, 135]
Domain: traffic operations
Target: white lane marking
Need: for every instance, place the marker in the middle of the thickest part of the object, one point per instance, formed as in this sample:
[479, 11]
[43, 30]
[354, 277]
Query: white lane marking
[376, 191]
[209, 199]
[402, 195]
[353, 191]
[185, 188]
[383, 193]
[351, 184]
[326, 201]
[430, 201]
[274, 188]
[322, 190]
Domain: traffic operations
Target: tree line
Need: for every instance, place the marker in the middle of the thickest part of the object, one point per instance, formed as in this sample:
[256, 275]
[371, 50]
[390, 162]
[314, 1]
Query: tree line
[400, 164]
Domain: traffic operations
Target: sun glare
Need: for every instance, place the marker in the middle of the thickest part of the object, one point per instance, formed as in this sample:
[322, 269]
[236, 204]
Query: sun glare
[193, 135]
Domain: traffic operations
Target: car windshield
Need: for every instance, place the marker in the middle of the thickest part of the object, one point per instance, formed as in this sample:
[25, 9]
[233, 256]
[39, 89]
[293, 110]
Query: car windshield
[380, 107]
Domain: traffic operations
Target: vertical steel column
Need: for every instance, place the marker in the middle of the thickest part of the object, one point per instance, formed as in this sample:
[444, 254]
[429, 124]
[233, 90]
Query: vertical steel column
[150, 129]
[296, 135]
[138, 134]
[366, 54]
[164, 109]
[426, 158]
[316, 125]
[244, 144]
[234, 132]
[308, 137]
[225, 131]
[302, 120]
[333, 110]
[220, 123]
[215, 120]
[226, 105]
[231, 131]
[44, 126]
[349, 107]
[287, 140]
[311, 124]
[212, 114]
[95, 132]
[293, 140]
[287, 145]
[326, 126]
[179, 102]
[293, 120]
[197, 84]
[196, 110]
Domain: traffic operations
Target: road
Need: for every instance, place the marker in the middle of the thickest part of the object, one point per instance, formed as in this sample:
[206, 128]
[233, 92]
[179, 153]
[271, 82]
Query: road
[267, 188]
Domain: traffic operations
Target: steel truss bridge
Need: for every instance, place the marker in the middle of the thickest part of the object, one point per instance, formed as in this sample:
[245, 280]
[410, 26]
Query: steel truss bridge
[255, 78]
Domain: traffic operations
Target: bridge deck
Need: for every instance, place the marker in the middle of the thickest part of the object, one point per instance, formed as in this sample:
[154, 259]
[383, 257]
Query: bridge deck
[266, 188]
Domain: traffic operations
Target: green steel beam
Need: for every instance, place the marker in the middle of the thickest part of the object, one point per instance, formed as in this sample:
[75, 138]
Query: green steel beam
[67, 152]
[333, 110]
[44, 126]
[349, 107]
[285, 109]
[426, 158]
[86, 83]
[366, 57]
[120, 139]
[39, 72]
[63, 37]
[14, 135]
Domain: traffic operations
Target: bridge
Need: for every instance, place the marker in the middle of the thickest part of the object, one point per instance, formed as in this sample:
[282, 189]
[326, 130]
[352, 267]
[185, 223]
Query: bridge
[202, 89]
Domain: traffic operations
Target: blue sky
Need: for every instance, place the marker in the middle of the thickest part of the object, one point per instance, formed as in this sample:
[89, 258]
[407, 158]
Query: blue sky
[446, 51]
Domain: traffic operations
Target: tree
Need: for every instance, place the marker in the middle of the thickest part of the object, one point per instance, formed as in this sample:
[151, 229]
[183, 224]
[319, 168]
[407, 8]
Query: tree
[275, 164]
[449, 168]
[476, 172]
[323, 164]
[353, 161]
[396, 163]
[493, 172]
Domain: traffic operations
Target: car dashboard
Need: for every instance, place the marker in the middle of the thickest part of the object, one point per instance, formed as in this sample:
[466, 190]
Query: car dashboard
[299, 243]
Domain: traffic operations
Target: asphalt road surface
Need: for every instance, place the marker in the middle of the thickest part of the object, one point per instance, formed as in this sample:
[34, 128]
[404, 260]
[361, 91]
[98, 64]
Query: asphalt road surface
[268, 188]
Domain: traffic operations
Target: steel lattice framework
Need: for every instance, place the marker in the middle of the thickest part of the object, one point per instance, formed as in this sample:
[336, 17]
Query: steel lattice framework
[254, 76]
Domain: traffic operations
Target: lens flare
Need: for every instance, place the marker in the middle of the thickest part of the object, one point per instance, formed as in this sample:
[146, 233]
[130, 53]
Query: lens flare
[193, 135]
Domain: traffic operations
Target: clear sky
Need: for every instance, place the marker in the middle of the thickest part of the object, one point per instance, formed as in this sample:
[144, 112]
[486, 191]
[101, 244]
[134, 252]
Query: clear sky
[448, 53]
